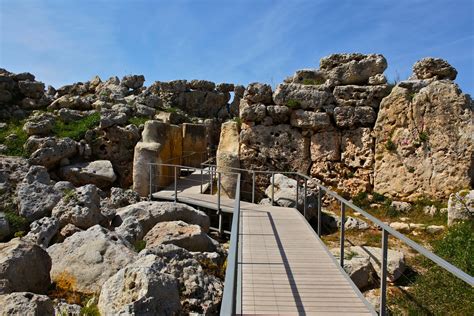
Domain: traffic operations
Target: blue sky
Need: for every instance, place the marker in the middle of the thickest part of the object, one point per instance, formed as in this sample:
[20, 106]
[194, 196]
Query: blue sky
[227, 41]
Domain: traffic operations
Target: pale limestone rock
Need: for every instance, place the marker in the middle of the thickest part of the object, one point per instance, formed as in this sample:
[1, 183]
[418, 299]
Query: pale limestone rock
[303, 96]
[181, 234]
[98, 172]
[228, 157]
[358, 148]
[461, 206]
[24, 267]
[352, 68]
[424, 142]
[258, 93]
[430, 67]
[26, 303]
[140, 289]
[326, 146]
[195, 140]
[252, 112]
[317, 121]
[278, 147]
[90, 258]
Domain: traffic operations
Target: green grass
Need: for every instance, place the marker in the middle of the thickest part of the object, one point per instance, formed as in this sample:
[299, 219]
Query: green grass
[139, 245]
[423, 137]
[77, 129]
[171, 109]
[90, 308]
[436, 291]
[19, 225]
[293, 103]
[138, 120]
[14, 146]
[313, 81]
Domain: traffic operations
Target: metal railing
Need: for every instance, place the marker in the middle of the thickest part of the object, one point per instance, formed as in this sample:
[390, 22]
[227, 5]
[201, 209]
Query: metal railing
[387, 231]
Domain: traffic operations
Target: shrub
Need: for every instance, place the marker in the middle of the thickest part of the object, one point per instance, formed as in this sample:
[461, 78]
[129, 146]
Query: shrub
[14, 145]
[361, 199]
[18, 224]
[90, 308]
[293, 103]
[76, 129]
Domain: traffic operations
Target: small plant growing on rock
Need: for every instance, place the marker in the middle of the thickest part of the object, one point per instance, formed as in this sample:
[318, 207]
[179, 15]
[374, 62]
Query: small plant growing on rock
[139, 245]
[238, 120]
[423, 137]
[90, 308]
[313, 82]
[390, 145]
[69, 195]
[137, 121]
[293, 103]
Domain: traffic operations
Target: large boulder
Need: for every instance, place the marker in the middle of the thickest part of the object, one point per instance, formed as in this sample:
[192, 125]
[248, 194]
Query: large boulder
[43, 230]
[37, 195]
[89, 258]
[252, 112]
[116, 145]
[31, 89]
[310, 120]
[359, 268]
[352, 69]
[228, 157]
[395, 260]
[26, 303]
[202, 85]
[24, 267]
[80, 207]
[99, 172]
[133, 81]
[461, 206]
[303, 96]
[181, 234]
[49, 151]
[39, 124]
[133, 222]
[360, 95]
[424, 142]
[430, 67]
[140, 289]
[258, 93]
[200, 290]
[351, 117]
[278, 147]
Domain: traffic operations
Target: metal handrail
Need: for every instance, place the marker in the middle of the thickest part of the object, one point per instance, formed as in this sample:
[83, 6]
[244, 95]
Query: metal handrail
[386, 230]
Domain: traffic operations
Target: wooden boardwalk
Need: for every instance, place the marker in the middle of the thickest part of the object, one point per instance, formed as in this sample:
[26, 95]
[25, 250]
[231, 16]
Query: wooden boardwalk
[284, 267]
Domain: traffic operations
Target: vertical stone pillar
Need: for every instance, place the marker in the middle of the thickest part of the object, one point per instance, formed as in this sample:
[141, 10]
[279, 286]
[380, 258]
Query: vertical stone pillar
[228, 156]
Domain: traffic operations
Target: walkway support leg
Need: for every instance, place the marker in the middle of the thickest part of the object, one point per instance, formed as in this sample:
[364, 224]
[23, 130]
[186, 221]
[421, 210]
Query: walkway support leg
[297, 191]
[150, 193]
[343, 226]
[253, 186]
[383, 277]
[175, 184]
[202, 180]
[305, 203]
[211, 178]
[319, 211]
[273, 188]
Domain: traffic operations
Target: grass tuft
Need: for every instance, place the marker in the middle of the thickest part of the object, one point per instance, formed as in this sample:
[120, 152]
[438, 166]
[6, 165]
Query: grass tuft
[14, 145]
[77, 129]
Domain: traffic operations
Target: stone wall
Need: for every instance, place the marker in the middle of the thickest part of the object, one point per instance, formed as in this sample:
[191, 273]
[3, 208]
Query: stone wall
[317, 122]
[343, 124]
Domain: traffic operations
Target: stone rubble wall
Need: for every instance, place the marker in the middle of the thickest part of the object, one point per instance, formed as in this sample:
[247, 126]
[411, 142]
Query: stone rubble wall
[318, 122]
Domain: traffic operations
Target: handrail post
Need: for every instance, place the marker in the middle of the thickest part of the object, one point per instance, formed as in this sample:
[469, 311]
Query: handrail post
[319, 210]
[273, 188]
[202, 180]
[343, 225]
[297, 191]
[175, 184]
[305, 203]
[219, 202]
[253, 186]
[150, 191]
[211, 178]
[383, 276]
